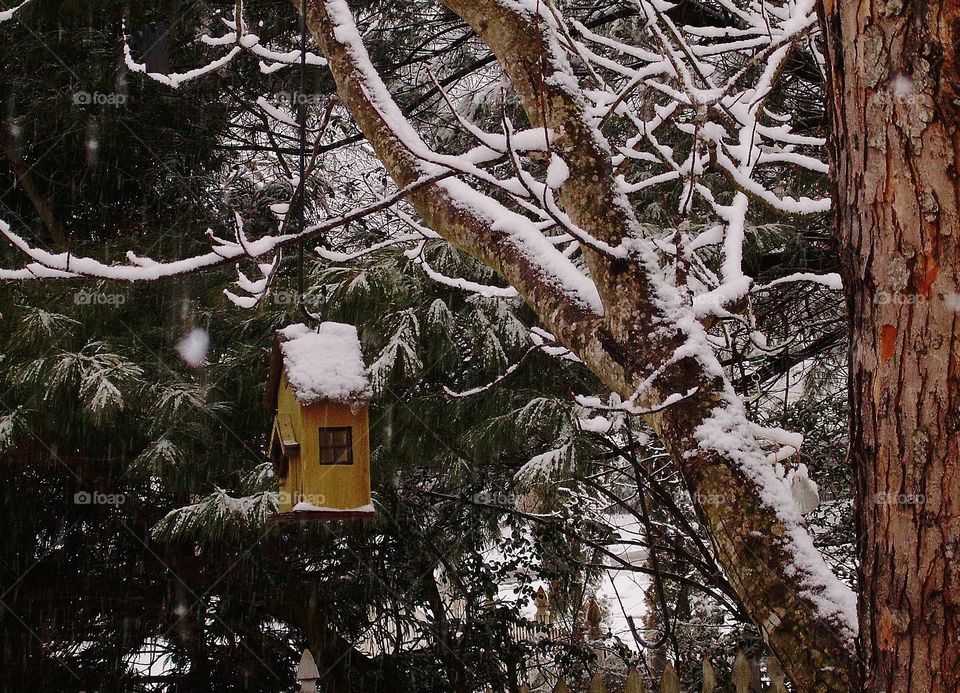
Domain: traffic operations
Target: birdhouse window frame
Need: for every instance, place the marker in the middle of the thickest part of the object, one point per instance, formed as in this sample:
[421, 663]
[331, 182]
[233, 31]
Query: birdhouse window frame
[337, 448]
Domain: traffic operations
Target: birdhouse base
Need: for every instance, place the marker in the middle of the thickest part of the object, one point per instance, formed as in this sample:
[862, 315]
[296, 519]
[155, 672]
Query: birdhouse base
[324, 515]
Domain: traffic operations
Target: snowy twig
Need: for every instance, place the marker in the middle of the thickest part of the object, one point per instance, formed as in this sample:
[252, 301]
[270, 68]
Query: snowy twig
[48, 265]
[239, 38]
[7, 15]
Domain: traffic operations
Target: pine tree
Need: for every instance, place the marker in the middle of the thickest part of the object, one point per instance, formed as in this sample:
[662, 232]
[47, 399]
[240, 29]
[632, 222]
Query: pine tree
[525, 482]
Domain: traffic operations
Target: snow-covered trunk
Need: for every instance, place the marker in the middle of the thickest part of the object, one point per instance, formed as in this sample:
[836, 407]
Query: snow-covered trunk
[895, 85]
[746, 532]
[758, 536]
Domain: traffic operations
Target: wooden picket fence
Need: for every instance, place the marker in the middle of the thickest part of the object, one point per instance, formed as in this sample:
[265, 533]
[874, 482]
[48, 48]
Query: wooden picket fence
[535, 632]
[743, 676]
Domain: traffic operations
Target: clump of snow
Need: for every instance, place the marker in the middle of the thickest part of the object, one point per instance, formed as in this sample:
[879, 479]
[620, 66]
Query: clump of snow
[831, 281]
[804, 490]
[952, 301]
[193, 347]
[543, 467]
[325, 364]
[280, 209]
[901, 86]
[557, 172]
[596, 424]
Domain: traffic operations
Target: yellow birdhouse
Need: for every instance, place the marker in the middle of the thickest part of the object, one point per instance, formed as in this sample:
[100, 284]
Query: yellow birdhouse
[319, 446]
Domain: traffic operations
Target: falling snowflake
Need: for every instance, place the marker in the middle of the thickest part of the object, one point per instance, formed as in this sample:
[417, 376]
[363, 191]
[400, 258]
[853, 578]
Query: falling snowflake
[193, 347]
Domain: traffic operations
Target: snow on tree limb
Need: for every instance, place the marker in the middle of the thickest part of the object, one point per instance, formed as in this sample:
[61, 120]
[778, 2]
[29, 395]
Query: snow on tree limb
[47, 265]
[791, 592]
[240, 38]
[7, 15]
[398, 143]
[507, 242]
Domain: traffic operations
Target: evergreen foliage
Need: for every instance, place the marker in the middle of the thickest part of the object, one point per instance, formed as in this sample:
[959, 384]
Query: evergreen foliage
[178, 583]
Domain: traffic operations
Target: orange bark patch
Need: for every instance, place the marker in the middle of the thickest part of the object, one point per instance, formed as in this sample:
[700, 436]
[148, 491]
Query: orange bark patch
[888, 342]
[929, 271]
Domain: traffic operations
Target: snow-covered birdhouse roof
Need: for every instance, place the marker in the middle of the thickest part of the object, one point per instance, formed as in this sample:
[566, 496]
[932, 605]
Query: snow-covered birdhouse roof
[322, 365]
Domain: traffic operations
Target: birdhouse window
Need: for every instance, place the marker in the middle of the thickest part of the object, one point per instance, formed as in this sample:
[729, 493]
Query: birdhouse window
[336, 445]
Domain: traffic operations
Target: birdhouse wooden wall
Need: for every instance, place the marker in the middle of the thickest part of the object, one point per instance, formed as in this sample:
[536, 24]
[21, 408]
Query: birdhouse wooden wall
[341, 482]
[319, 447]
[291, 478]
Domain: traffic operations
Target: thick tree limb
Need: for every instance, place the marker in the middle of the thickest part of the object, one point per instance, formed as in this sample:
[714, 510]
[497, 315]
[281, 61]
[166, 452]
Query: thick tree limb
[768, 556]
[816, 654]
[464, 217]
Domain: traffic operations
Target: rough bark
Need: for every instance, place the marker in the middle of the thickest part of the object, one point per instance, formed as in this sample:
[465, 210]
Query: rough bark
[895, 90]
[620, 346]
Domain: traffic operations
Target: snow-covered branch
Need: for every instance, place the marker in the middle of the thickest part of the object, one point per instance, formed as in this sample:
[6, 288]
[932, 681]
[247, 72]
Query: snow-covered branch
[7, 15]
[46, 265]
[239, 38]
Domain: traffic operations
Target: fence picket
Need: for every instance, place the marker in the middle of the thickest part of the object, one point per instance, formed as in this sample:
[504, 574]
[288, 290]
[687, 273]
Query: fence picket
[634, 683]
[709, 677]
[775, 672]
[670, 682]
[741, 673]
[597, 684]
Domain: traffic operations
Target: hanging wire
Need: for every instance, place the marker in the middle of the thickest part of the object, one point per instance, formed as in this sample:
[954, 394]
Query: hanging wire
[302, 171]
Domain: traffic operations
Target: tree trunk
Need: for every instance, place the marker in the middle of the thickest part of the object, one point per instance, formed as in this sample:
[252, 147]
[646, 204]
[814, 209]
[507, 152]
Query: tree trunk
[895, 91]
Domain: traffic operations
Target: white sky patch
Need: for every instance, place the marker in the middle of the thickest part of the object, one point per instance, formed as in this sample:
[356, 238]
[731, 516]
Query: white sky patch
[622, 593]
